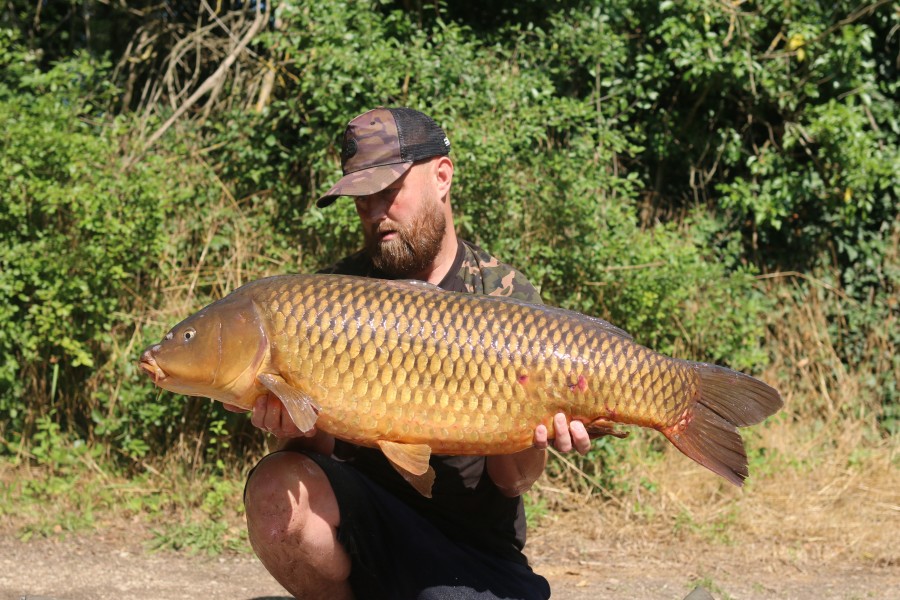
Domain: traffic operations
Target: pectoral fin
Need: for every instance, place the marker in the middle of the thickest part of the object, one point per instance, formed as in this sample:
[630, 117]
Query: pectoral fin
[303, 409]
[411, 461]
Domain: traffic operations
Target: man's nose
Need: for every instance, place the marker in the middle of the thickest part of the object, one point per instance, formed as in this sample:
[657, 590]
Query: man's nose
[375, 207]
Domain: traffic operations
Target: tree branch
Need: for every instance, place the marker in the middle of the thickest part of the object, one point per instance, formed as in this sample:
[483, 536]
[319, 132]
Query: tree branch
[212, 80]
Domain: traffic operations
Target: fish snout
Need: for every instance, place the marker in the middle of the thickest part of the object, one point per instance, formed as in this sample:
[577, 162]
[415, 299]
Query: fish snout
[148, 364]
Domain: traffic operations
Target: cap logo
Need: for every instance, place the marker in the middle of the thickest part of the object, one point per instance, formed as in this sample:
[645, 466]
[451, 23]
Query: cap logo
[349, 150]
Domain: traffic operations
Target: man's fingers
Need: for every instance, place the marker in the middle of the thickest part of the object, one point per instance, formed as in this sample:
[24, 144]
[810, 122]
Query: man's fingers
[540, 437]
[580, 438]
[569, 436]
[563, 441]
[270, 415]
[273, 415]
[287, 423]
[258, 416]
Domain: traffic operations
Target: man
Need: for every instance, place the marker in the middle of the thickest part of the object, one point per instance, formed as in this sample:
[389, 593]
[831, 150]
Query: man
[331, 520]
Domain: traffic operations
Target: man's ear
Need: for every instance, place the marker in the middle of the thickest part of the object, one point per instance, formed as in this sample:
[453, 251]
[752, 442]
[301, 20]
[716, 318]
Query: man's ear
[443, 173]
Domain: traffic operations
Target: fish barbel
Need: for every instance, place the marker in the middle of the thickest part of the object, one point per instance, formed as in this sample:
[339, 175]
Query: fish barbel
[413, 370]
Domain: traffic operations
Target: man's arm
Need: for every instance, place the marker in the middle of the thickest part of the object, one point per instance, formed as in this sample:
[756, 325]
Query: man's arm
[514, 474]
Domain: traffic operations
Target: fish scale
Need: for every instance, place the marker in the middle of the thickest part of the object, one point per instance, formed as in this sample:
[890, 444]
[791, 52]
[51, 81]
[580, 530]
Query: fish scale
[421, 337]
[406, 366]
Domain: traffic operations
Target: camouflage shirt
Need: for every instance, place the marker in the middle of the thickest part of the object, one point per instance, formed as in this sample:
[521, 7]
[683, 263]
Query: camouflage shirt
[473, 271]
[466, 505]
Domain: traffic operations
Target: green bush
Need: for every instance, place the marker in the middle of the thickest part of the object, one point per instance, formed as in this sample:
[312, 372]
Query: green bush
[541, 178]
[82, 233]
[640, 161]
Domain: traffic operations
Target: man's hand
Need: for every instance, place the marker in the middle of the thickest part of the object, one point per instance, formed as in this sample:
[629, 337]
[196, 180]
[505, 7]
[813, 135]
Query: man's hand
[270, 415]
[514, 474]
[568, 436]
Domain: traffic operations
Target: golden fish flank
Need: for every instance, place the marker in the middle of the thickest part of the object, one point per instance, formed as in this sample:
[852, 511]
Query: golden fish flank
[412, 369]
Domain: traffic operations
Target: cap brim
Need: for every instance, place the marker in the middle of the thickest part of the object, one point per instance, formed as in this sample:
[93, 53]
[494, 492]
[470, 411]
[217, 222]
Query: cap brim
[364, 182]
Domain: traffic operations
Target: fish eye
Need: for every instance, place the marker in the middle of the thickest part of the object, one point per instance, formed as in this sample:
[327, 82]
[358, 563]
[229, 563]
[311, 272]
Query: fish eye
[188, 334]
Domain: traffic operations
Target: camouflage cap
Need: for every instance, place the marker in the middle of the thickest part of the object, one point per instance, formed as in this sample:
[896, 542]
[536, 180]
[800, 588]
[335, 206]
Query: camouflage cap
[380, 146]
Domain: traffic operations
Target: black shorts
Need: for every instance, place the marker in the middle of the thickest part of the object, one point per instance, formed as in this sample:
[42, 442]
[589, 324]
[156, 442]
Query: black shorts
[397, 554]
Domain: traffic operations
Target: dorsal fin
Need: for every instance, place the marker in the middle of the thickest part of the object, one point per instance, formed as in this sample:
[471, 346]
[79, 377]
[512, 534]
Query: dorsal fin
[413, 284]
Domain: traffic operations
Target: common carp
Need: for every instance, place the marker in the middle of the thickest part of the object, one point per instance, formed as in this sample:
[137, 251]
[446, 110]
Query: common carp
[413, 370]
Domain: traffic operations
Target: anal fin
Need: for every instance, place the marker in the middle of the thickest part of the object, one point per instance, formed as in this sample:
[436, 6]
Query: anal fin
[601, 427]
[303, 409]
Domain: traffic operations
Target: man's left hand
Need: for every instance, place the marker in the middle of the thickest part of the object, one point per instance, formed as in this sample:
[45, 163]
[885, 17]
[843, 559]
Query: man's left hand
[568, 436]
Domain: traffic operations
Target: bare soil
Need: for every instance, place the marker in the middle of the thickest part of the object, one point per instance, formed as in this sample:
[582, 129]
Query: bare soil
[578, 566]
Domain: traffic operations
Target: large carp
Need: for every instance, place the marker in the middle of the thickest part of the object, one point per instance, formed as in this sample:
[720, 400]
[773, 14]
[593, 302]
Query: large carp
[411, 369]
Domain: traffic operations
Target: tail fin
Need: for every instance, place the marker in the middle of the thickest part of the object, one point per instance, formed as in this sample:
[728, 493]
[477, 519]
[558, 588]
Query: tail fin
[728, 400]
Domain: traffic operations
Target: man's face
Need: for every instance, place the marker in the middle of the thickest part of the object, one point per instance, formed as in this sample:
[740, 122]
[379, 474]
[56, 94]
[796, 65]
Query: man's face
[404, 224]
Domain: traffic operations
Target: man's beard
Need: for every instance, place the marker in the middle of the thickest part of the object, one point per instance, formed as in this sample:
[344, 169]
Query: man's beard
[415, 246]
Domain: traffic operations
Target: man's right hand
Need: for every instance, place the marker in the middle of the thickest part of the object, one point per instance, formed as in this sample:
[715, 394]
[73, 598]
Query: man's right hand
[270, 415]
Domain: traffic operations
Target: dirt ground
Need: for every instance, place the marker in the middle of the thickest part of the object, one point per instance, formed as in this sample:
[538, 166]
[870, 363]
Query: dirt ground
[578, 568]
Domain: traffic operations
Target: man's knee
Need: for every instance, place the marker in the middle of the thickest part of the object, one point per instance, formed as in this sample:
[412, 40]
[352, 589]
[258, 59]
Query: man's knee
[292, 520]
[282, 490]
[274, 474]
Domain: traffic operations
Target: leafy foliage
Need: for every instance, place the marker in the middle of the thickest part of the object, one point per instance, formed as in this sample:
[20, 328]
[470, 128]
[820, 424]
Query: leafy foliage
[646, 162]
[539, 176]
[82, 234]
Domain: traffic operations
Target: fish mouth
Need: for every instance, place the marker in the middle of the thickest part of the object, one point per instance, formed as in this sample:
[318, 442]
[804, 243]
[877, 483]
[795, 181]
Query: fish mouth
[149, 366]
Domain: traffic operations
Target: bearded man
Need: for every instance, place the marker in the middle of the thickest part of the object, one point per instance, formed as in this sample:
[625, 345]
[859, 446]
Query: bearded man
[332, 520]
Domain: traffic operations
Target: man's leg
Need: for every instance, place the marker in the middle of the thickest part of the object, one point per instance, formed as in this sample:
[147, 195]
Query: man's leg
[292, 519]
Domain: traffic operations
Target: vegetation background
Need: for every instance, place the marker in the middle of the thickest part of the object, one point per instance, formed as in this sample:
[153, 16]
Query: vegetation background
[720, 178]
